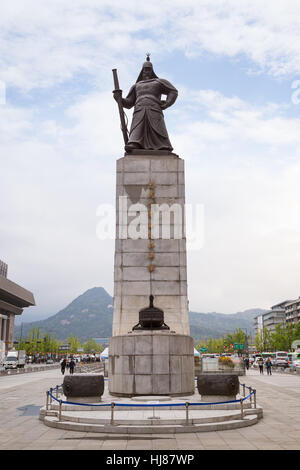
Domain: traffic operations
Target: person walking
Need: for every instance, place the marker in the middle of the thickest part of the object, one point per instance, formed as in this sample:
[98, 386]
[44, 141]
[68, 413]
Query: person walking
[260, 363]
[71, 366]
[246, 361]
[268, 364]
[63, 363]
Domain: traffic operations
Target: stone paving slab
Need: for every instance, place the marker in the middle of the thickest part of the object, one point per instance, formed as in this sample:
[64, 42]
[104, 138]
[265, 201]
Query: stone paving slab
[21, 429]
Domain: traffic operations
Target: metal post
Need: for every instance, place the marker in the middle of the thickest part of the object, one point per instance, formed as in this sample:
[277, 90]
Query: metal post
[51, 389]
[187, 412]
[242, 409]
[56, 395]
[254, 398]
[244, 390]
[59, 410]
[112, 413]
[47, 400]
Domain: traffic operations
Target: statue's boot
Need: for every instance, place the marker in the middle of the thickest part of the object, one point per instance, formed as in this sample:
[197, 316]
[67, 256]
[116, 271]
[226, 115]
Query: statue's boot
[132, 146]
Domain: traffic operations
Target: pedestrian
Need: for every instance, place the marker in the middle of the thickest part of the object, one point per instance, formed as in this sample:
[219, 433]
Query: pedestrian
[268, 364]
[260, 363]
[246, 361]
[63, 366]
[71, 366]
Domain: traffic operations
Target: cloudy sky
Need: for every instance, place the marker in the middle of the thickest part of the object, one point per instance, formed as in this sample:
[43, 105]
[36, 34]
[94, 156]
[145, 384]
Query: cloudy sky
[236, 124]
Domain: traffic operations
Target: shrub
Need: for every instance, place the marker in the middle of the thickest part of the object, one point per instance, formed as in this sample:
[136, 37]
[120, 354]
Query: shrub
[226, 361]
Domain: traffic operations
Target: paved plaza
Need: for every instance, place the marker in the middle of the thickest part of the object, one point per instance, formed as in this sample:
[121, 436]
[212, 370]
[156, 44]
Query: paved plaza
[22, 396]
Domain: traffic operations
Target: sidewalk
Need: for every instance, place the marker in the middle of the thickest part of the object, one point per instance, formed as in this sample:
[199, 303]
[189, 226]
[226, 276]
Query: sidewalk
[22, 397]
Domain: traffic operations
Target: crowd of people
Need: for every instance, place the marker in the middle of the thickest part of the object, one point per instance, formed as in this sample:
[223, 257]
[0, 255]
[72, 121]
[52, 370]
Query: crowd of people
[261, 364]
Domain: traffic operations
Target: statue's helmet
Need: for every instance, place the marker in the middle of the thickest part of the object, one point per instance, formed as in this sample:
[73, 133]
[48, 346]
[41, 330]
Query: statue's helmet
[149, 65]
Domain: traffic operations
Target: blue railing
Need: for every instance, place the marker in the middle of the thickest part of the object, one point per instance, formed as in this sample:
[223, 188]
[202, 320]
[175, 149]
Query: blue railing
[187, 404]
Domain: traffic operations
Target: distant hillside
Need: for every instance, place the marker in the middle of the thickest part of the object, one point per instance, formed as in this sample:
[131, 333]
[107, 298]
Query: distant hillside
[216, 325]
[90, 316]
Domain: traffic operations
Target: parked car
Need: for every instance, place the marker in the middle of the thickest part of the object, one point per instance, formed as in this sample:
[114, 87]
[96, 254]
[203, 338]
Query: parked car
[49, 361]
[295, 362]
[281, 359]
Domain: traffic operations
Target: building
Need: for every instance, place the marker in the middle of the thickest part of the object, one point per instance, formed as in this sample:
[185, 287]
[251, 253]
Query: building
[13, 299]
[258, 324]
[292, 311]
[273, 317]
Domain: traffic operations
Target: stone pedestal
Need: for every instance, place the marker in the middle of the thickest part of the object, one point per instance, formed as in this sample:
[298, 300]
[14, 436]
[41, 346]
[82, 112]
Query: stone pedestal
[150, 260]
[155, 262]
[151, 363]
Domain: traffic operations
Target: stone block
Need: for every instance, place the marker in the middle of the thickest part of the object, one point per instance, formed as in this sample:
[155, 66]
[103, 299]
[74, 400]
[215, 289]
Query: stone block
[164, 164]
[165, 273]
[161, 364]
[167, 259]
[161, 344]
[134, 302]
[143, 365]
[218, 384]
[164, 178]
[135, 246]
[136, 259]
[175, 365]
[83, 385]
[166, 246]
[143, 345]
[165, 288]
[175, 384]
[161, 385]
[136, 165]
[127, 384]
[136, 288]
[167, 191]
[136, 274]
[136, 178]
[128, 345]
[143, 384]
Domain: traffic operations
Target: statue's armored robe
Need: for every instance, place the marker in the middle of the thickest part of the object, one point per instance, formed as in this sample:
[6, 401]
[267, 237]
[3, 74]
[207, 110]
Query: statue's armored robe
[148, 130]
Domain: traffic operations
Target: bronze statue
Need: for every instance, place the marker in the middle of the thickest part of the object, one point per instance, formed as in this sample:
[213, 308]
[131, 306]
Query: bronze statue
[148, 130]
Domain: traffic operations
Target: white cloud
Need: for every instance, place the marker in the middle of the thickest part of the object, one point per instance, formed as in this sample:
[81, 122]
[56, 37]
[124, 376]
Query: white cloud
[46, 43]
[56, 176]
[241, 160]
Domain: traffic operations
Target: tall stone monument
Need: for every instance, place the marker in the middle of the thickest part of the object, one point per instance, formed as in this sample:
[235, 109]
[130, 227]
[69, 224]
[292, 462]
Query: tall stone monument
[151, 351]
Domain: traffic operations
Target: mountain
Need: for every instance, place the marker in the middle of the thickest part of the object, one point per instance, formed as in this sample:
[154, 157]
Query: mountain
[216, 325]
[90, 316]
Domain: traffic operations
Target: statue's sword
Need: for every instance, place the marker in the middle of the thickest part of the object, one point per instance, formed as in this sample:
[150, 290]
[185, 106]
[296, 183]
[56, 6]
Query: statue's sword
[120, 106]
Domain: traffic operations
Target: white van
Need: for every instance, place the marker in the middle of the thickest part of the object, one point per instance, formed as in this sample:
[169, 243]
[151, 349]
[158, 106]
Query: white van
[281, 359]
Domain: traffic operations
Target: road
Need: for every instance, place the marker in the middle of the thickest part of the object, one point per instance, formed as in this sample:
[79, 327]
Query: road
[21, 397]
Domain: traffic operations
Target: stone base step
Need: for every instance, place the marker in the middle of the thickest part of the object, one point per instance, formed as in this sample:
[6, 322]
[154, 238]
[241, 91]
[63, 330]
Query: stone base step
[151, 428]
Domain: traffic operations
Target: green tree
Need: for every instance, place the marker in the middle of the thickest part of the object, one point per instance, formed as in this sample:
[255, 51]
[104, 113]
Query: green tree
[74, 343]
[92, 347]
[296, 334]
